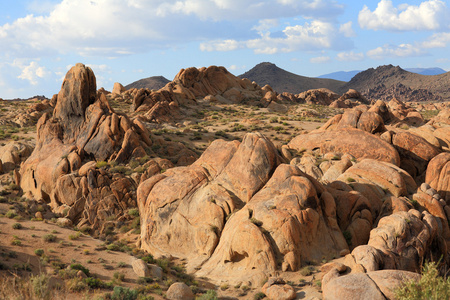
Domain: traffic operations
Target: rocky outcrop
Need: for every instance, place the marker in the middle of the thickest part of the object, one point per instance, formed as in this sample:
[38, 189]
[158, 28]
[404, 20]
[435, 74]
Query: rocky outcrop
[248, 195]
[438, 175]
[400, 241]
[372, 285]
[192, 84]
[84, 129]
[356, 142]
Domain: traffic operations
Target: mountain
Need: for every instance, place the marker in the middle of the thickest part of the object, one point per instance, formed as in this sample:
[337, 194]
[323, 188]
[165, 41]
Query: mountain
[152, 83]
[426, 71]
[348, 75]
[387, 81]
[283, 81]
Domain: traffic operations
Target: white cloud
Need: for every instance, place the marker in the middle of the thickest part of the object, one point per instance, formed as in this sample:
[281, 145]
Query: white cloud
[31, 72]
[116, 27]
[218, 45]
[350, 56]
[437, 40]
[429, 15]
[235, 67]
[315, 35]
[347, 30]
[403, 50]
[320, 59]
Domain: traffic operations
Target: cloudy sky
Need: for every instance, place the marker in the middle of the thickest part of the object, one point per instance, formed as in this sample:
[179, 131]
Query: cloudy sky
[126, 40]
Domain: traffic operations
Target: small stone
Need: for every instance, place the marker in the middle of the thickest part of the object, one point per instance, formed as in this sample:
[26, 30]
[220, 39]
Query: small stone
[333, 265]
[424, 187]
[38, 215]
[156, 271]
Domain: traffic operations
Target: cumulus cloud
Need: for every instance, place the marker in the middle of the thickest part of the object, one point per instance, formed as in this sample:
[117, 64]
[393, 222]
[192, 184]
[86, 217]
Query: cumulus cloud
[218, 45]
[116, 27]
[350, 56]
[429, 15]
[314, 35]
[31, 72]
[320, 60]
[437, 40]
[347, 30]
[403, 50]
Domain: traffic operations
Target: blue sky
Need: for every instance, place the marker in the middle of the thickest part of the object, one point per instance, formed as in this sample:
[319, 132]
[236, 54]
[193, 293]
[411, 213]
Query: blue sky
[126, 40]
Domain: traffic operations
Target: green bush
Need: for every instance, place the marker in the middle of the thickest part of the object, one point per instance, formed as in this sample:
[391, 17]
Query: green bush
[17, 226]
[40, 286]
[122, 293]
[430, 285]
[75, 236]
[49, 238]
[259, 296]
[11, 214]
[210, 295]
[81, 268]
[39, 252]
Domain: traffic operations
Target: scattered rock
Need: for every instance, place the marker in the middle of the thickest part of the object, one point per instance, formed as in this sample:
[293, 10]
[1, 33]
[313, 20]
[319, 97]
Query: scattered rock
[179, 291]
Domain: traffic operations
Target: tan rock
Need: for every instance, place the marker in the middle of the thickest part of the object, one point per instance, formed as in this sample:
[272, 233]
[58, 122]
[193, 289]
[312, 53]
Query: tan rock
[356, 142]
[179, 291]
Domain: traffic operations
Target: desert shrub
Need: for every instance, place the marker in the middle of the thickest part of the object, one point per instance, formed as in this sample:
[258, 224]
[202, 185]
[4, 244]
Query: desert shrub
[256, 222]
[75, 236]
[76, 285]
[39, 252]
[430, 285]
[17, 226]
[122, 293]
[16, 242]
[101, 164]
[40, 286]
[11, 214]
[49, 238]
[163, 263]
[259, 296]
[119, 276]
[133, 212]
[81, 268]
[209, 295]
[306, 271]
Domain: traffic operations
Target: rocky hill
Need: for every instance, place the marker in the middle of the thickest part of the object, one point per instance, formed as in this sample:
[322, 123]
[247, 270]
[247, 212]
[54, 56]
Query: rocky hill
[283, 81]
[264, 206]
[151, 83]
[387, 81]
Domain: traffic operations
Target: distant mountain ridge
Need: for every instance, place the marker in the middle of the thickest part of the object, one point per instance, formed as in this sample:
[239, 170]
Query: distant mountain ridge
[387, 81]
[152, 83]
[283, 81]
[348, 75]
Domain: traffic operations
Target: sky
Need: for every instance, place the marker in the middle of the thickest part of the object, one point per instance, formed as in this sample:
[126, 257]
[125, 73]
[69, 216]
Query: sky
[127, 40]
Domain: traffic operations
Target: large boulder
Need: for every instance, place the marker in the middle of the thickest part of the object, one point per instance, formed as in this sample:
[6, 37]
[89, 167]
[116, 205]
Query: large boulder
[183, 211]
[372, 285]
[438, 175]
[291, 221]
[401, 241]
[356, 142]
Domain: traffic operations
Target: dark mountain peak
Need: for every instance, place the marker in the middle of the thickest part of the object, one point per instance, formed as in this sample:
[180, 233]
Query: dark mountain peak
[152, 83]
[283, 81]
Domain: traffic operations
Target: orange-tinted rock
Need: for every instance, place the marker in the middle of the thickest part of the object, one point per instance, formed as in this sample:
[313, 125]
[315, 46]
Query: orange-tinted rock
[438, 174]
[414, 148]
[356, 142]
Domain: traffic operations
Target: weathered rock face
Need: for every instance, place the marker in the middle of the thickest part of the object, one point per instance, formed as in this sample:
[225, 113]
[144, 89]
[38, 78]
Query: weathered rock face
[234, 193]
[356, 142]
[318, 96]
[371, 285]
[226, 176]
[12, 154]
[438, 175]
[400, 241]
[292, 220]
[84, 128]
